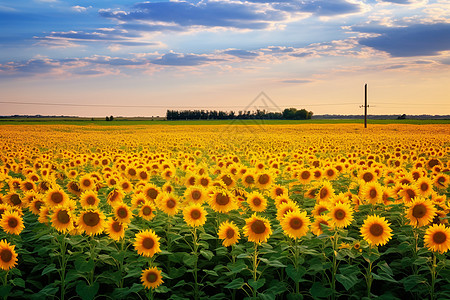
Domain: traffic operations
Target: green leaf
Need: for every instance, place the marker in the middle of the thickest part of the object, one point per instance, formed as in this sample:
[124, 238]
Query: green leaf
[319, 291]
[162, 289]
[207, 254]
[266, 296]
[176, 272]
[4, 290]
[273, 263]
[81, 265]
[384, 277]
[294, 297]
[190, 260]
[256, 284]
[294, 274]
[235, 284]
[211, 272]
[243, 255]
[18, 282]
[50, 268]
[348, 281]
[412, 281]
[87, 292]
[237, 267]
[206, 236]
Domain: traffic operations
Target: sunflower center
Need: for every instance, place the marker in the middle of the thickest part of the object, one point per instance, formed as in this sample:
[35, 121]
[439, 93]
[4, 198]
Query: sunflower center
[323, 193]
[196, 214]
[74, 187]
[116, 226]
[278, 191]
[112, 181]
[38, 205]
[196, 195]
[91, 218]
[263, 179]
[57, 197]
[148, 243]
[125, 185]
[122, 212]
[230, 233]
[296, 223]
[317, 174]
[146, 211]
[433, 162]
[441, 180]
[132, 172]
[249, 180]
[171, 203]
[204, 181]
[86, 182]
[424, 186]
[367, 177]
[222, 199]
[63, 217]
[191, 180]
[12, 222]
[258, 227]
[152, 193]
[257, 202]
[419, 211]
[411, 193]
[439, 237]
[152, 277]
[376, 229]
[330, 173]
[90, 200]
[227, 180]
[15, 199]
[28, 186]
[339, 214]
[305, 175]
[143, 175]
[373, 193]
[322, 210]
[6, 255]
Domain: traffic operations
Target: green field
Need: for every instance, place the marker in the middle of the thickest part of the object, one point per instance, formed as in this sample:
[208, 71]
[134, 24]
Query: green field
[127, 122]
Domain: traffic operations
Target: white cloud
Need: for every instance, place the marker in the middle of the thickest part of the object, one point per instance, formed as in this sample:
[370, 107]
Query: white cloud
[80, 9]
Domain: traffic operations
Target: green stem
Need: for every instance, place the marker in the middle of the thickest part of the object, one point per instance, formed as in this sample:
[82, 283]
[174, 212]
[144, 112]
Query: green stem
[296, 256]
[92, 256]
[255, 269]
[121, 262]
[62, 248]
[334, 266]
[369, 277]
[416, 246]
[433, 277]
[5, 282]
[196, 290]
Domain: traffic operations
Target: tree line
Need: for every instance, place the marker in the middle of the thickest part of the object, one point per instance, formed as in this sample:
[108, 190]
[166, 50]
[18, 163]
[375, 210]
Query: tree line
[287, 114]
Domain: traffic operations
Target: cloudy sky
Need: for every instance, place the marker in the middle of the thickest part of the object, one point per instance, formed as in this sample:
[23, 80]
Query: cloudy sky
[129, 58]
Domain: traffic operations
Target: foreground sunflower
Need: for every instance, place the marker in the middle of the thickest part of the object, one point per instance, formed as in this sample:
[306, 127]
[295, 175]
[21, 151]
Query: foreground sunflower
[62, 219]
[257, 229]
[229, 233]
[147, 211]
[222, 201]
[91, 221]
[341, 215]
[421, 212]
[8, 256]
[115, 229]
[257, 202]
[55, 197]
[122, 212]
[316, 226]
[147, 243]
[89, 198]
[376, 230]
[437, 238]
[12, 222]
[168, 203]
[151, 278]
[295, 224]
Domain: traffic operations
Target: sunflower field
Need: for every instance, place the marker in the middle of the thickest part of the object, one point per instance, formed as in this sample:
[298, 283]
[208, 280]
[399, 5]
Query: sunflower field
[309, 211]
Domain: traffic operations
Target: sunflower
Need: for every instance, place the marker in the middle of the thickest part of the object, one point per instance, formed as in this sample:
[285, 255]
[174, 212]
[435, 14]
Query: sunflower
[222, 201]
[432, 162]
[115, 229]
[12, 222]
[325, 192]
[249, 179]
[341, 215]
[437, 238]
[87, 182]
[408, 193]
[321, 208]
[204, 181]
[56, 196]
[421, 212]
[131, 172]
[116, 195]
[376, 230]
[229, 233]
[89, 199]
[424, 186]
[190, 179]
[14, 199]
[228, 180]
[312, 192]
[62, 219]
[137, 200]
[151, 191]
[168, 187]
[195, 215]
[73, 187]
[284, 208]
[91, 221]
[295, 224]
[317, 174]
[8, 256]
[368, 175]
[388, 196]
[44, 213]
[151, 278]
[257, 229]
[27, 185]
[278, 191]
[143, 175]
[147, 243]
[317, 226]
[330, 173]
[281, 200]
[257, 202]
[126, 185]
[305, 176]
[147, 211]
[441, 181]
[122, 212]
[168, 203]
[195, 194]
[372, 192]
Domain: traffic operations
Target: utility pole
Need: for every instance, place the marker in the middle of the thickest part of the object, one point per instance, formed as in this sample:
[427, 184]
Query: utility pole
[365, 105]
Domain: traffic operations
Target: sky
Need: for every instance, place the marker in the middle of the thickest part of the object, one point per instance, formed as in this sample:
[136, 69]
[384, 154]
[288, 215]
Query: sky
[131, 58]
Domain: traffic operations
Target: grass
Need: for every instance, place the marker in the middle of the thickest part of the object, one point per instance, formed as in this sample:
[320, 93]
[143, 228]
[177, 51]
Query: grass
[125, 122]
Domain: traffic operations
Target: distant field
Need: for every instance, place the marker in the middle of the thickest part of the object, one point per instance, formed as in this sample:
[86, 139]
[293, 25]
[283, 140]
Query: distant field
[119, 122]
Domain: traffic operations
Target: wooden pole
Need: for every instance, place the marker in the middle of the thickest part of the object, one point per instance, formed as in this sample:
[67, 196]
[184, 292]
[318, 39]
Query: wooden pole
[365, 105]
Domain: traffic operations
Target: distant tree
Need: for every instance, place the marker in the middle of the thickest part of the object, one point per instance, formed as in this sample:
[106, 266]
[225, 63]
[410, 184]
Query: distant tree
[402, 117]
[111, 118]
[107, 118]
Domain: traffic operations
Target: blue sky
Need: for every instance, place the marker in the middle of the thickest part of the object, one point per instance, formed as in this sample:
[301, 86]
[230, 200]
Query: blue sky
[134, 58]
